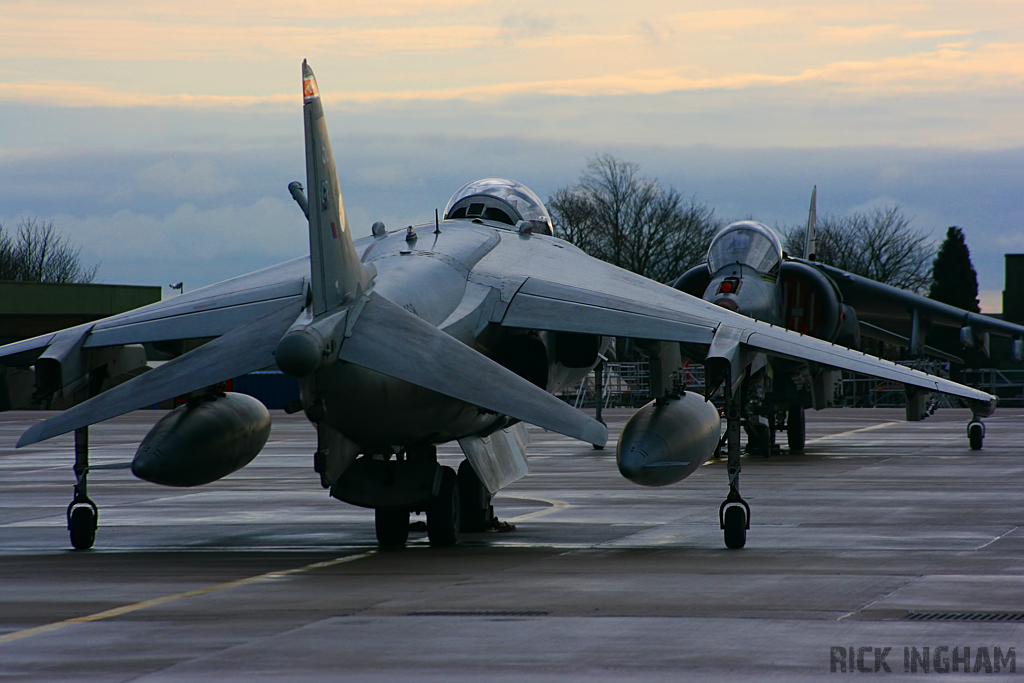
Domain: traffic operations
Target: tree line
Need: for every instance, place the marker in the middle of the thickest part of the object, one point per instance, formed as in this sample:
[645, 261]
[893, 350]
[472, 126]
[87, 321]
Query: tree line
[618, 215]
[36, 252]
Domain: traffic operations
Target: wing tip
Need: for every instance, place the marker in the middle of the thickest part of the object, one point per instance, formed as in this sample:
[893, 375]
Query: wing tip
[597, 434]
[32, 435]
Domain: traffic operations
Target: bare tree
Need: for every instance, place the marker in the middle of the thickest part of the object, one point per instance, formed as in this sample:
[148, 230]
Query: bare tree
[881, 245]
[36, 252]
[620, 217]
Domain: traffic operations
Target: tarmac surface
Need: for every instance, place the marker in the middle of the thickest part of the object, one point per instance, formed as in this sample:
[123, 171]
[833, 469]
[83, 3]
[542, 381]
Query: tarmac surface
[882, 534]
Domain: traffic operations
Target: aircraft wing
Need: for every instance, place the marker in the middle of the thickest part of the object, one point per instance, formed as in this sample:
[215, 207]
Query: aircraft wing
[888, 307]
[615, 302]
[204, 313]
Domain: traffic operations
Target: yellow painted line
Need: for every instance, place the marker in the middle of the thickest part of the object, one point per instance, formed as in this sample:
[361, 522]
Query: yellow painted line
[556, 505]
[135, 607]
[852, 431]
[825, 438]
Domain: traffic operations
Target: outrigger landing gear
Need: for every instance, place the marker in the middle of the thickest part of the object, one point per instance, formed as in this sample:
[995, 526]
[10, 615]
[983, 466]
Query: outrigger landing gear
[83, 515]
[734, 513]
[975, 433]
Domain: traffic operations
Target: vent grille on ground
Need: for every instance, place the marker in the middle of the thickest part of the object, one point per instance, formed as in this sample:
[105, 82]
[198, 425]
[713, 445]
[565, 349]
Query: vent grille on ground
[503, 613]
[965, 616]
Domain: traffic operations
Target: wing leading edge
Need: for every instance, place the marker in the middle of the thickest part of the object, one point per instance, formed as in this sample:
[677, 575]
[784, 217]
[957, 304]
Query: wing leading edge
[679, 317]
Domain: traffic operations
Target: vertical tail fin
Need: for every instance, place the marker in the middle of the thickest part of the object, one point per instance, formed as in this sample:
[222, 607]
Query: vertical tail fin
[337, 274]
[810, 238]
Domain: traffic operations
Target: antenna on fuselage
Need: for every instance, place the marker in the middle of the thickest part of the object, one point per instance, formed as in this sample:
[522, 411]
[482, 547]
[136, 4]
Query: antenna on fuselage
[810, 238]
[437, 223]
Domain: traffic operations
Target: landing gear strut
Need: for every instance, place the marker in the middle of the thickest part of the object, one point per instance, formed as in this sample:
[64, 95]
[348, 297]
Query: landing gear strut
[734, 513]
[83, 515]
[975, 433]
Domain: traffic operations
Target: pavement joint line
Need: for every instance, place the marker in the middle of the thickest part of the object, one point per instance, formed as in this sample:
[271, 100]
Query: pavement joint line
[556, 505]
[897, 589]
[145, 604]
[997, 538]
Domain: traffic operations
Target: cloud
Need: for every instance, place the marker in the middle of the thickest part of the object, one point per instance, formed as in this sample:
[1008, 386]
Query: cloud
[525, 25]
[170, 177]
[227, 11]
[855, 35]
[953, 67]
[938, 33]
[199, 246]
[77, 94]
[123, 39]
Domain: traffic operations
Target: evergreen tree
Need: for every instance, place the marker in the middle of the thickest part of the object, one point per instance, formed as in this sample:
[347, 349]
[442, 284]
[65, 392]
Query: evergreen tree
[954, 280]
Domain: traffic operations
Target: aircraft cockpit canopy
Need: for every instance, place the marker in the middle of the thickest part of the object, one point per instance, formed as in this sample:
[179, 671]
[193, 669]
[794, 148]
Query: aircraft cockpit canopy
[748, 243]
[501, 200]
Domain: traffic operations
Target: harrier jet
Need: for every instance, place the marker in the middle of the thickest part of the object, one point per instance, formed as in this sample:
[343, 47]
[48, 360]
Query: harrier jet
[747, 272]
[457, 330]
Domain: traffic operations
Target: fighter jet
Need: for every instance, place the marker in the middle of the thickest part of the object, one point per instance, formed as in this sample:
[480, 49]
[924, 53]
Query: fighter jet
[456, 330]
[748, 272]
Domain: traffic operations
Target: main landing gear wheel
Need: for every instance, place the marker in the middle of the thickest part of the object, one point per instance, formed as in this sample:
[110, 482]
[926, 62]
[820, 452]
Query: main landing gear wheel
[392, 526]
[796, 429]
[443, 513]
[475, 501]
[83, 518]
[976, 434]
[761, 438]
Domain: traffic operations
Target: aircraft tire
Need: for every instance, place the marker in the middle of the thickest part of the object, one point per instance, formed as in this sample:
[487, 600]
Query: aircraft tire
[392, 525]
[443, 514]
[735, 527]
[759, 440]
[796, 429]
[976, 436]
[475, 501]
[82, 527]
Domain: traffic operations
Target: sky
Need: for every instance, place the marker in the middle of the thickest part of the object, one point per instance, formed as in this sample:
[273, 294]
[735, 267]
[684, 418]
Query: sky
[161, 136]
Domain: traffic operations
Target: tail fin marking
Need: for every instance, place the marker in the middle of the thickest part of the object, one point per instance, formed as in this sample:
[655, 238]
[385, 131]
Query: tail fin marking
[337, 275]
